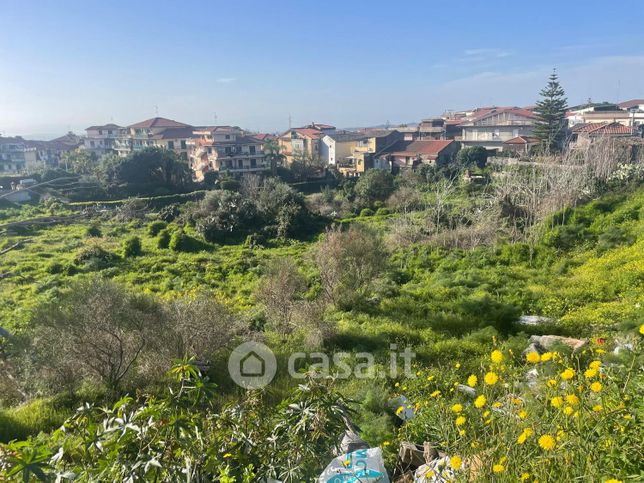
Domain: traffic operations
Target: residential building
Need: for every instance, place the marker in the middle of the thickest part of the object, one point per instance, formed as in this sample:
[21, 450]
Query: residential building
[303, 141]
[584, 134]
[155, 132]
[427, 129]
[520, 145]
[16, 156]
[49, 153]
[411, 154]
[338, 146]
[352, 153]
[575, 114]
[226, 149]
[101, 139]
[492, 126]
[637, 104]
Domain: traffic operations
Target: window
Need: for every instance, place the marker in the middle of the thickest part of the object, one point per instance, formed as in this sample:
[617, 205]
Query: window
[109, 131]
[240, 163]
[227, 136]
[229, 150]
[209, 150]
[183, 144]
[253, 163]
[92, 144]
[170, 144]
[252, 150]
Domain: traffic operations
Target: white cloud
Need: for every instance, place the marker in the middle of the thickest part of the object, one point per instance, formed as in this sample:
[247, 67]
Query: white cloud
[226, 80]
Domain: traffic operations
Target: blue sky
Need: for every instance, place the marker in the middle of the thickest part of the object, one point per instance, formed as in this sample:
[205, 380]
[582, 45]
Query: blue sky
[68, 64]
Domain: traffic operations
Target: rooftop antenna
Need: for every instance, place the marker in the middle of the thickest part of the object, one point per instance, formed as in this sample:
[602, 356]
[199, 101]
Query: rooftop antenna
[214, 115]
[156, 110]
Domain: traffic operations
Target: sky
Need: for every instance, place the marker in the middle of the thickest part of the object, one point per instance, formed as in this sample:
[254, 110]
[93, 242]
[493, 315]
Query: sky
[66, 65]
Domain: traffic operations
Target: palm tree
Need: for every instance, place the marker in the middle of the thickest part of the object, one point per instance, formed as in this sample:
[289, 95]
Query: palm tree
[272, 152]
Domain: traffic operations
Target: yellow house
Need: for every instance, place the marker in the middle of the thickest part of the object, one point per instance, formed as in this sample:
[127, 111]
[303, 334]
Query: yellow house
[303, 141]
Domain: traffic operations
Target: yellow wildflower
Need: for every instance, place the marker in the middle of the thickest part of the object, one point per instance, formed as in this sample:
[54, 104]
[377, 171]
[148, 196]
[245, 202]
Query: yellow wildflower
[461, 432]
[455, 462]
[472, 380]
[613, 480]
[552, 383]
[496, 356]
[498, 468]
[458, 365]
[479, 402]
[400, 410]
[397, 384]
[547, 442]
[491, 378]
[556, 402]
[600, 351]
[517, 402]
[525, 476]
[527, 432]
[457, 408]
[572, 399]
[430, 378]
[533, 357]
[486, 414]
[429, 474]
[590, 373]
[460, 421]
[595, 365]
[386, 443]
[435, 394]
[523, 414]
[596, 386]
[227, 455]
[497, 404]
[642, 329]
[546, 356]
[598, 408]
[568, 374]
[568, 410]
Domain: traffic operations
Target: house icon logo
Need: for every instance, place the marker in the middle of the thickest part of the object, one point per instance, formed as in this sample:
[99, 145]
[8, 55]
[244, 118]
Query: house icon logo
[252, 365]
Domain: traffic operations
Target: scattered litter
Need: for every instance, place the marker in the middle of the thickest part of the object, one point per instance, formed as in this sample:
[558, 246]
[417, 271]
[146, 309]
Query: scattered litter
[402, 407]
[364, 466]
[436, 471]
[470, 391]
[352, 442]
[544, 343]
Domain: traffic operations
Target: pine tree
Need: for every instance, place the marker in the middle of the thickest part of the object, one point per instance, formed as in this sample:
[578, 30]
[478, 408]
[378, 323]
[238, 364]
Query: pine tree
[550, 127]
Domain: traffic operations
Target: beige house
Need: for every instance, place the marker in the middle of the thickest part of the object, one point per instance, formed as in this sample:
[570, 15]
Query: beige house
[303, 141]
[490, 127]
[584, 134]
[226, 149]
[411, 154]
[155, 132]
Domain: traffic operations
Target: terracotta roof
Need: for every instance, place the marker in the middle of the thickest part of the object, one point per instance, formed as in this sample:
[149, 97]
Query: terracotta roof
[321, 126]
[262, 136]
[631, 103]
[106, 126]
[602, 128]
[308, 132]
[430, 148]
[158, 122]
[522, 140]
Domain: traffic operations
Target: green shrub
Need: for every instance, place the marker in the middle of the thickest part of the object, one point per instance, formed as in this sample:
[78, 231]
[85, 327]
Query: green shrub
[95, 257]
[164, 238]
[132, 247]
[366, 212]
[30, 419]
[93, 231]
[155, 227]
[180, 242]
[382, 212]
[55, 267]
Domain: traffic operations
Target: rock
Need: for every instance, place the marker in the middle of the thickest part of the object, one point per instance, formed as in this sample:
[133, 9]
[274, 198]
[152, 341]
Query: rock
[533, 348]
[533, 320]
[470, 391]
[531, 377]
[544, 343]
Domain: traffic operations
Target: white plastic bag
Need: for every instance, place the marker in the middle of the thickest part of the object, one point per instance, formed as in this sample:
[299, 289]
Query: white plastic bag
[364, 466]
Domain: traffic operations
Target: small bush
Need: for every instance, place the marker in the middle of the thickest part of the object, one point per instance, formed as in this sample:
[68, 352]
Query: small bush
[180, 242]
[96, 257]
[55, 267]
[93, 231]
[382, 212]
[366, 212]
[164, 238]
[132, 247]
[155, 227]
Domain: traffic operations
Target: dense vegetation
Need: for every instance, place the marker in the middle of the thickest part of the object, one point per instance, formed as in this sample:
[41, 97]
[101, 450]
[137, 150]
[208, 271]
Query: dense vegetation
[146, 298]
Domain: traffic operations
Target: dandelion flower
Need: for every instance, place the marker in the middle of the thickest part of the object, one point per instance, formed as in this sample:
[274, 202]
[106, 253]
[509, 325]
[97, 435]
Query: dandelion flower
[486, 414]
[460, 421]
[525, 476]
[479, 402]
[598, 408]
[523, 414]
[227, 455]
[590, 373]
[458, 365]
[497, 405]
[400, 410]
[546, 356]
[435, 394]
[568, 374]
[397, 384]
[429, 474]
[595, 365]
[456, 462]
[596, 386]
[613, 480]
[472, 380]
[533, 357]
[568, 410]
[642, 329]
[552, 383]
[547, 442]
[572, 399]
[491, 378]
[527, 432]
[498, 468]
[556, 402]
[457, 408]
[496, 356]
